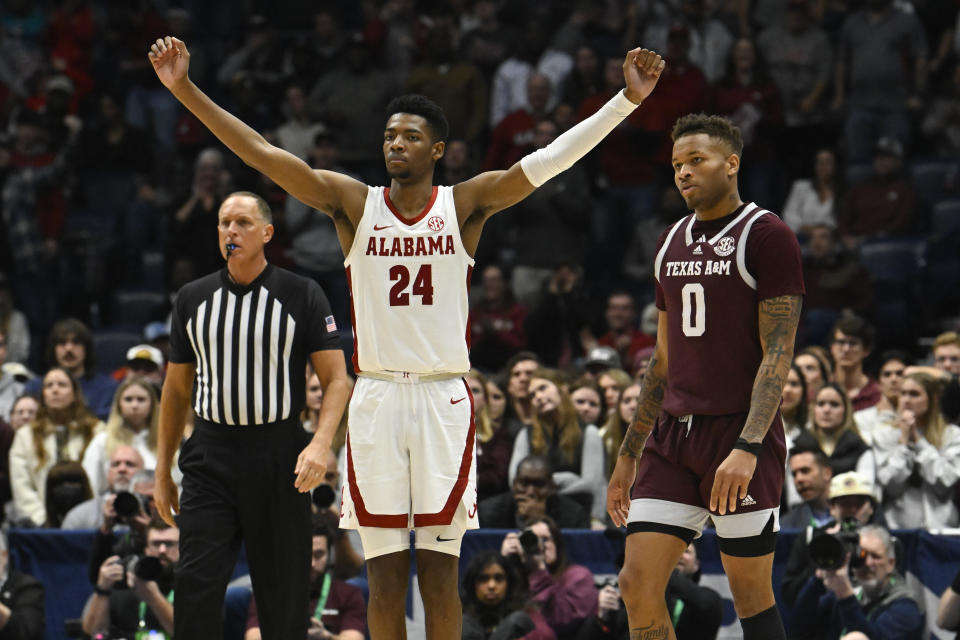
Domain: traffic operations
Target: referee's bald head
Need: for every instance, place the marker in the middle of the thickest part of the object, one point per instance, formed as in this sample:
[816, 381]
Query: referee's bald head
[265, 213]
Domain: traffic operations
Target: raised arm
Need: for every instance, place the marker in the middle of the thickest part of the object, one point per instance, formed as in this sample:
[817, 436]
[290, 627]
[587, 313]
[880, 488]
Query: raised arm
[326, 191]
[777, 323]
[480, 197]
[652, 391]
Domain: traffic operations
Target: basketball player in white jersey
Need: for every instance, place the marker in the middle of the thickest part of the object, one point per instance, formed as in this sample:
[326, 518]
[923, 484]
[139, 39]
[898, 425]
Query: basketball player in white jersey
[411, 450]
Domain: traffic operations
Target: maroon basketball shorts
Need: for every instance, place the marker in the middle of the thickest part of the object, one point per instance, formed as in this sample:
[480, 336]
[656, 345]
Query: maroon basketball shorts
[676, 473]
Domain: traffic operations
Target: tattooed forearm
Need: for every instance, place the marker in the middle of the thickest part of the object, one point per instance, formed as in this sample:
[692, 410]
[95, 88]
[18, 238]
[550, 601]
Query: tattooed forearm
[633, 442]
[648, 408]
[778, 319]
[651, 632]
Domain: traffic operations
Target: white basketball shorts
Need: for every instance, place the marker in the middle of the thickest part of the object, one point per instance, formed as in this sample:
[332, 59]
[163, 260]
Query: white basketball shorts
[411, 456]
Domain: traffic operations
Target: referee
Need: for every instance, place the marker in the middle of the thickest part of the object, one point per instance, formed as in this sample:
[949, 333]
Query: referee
[239, 344]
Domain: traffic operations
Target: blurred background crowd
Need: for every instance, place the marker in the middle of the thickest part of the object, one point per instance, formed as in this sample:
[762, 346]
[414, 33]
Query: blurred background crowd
[850, 112]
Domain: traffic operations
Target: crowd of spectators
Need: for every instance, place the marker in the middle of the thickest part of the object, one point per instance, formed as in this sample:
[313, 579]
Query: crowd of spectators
[850, 112]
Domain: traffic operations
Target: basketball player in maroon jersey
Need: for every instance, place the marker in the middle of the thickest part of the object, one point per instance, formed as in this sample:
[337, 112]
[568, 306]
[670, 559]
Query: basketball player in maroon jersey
[414, 140]
[729, 286]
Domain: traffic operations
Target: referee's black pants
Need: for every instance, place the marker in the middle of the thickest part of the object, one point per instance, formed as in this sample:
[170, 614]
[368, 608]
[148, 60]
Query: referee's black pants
[238, 487]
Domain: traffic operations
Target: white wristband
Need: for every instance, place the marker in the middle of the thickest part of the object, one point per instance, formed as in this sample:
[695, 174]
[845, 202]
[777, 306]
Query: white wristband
[559, 155]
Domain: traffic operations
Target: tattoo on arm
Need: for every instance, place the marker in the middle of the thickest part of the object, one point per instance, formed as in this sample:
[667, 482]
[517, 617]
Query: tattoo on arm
[650, 632]
[778, 319]
[648, 408]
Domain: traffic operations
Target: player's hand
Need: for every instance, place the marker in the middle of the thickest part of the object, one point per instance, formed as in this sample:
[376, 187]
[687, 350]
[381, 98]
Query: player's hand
[171, 60]
[641, 70]
[311, 465]
[731, 481]
[165, 498]
[618, 491]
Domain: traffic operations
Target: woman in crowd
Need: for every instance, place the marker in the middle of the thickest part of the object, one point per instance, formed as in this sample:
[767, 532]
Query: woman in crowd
[496, 602]
[883, 415]
[612, 382]
[575, 450]
[494, 444]
[835, 432]
[794, 407]
[811, 202]
[63, 428]
[616, 425]
[795, 411]
[564, 592]
[918, 463]
[23, 411]
[817, 370]
[588, 401]
[134, 420]
[497, 402]
[67, 486]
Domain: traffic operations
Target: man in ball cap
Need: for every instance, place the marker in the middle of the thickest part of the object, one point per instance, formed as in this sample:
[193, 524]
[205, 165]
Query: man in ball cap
[852, 497]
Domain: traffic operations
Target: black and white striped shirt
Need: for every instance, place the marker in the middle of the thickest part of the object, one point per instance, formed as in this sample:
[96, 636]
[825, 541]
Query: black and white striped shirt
[250, 343]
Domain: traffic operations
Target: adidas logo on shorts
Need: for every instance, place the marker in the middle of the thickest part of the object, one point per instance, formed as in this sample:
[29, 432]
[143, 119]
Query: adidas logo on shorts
[748, 501]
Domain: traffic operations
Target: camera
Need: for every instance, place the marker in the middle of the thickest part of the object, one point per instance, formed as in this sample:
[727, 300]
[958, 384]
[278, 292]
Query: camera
[146, 568]
[128, 504]
[323, 496]
[828, 550]
[530, 543]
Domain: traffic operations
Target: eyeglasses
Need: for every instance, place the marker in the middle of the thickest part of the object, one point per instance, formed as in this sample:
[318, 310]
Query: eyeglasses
[169, 544]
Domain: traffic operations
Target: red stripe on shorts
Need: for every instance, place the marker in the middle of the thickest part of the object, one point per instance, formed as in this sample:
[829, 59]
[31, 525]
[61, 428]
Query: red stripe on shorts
[445, 515]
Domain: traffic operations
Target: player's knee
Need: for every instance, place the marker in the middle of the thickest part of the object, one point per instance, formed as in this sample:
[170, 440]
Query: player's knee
[437, 576]
[750, 587]
[638, 584]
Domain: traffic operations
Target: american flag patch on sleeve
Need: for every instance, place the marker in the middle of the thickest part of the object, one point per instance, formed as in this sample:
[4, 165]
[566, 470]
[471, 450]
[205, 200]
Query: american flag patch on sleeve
[331, 323]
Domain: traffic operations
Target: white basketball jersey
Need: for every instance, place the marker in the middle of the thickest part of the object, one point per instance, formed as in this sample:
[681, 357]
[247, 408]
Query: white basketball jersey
[408, 285]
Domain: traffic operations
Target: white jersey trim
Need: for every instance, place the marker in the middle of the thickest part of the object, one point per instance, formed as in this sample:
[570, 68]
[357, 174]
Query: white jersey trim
[688, 232]
[666, 243]
[743, 214]
[742, 250]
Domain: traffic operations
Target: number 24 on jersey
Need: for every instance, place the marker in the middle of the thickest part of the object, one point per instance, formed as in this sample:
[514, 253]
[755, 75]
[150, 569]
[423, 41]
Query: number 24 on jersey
[422, 285]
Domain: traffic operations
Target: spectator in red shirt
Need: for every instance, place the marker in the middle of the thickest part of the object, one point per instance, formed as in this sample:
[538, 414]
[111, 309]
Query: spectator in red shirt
[513, 136]
[622, 332]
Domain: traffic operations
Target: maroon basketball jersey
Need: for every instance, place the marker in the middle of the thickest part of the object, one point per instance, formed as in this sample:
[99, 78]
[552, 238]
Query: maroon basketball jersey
[711, 276]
